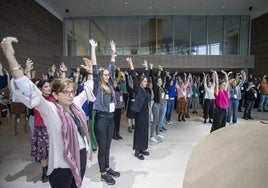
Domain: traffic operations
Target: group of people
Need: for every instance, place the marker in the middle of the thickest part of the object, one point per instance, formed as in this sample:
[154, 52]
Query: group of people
[73, 115]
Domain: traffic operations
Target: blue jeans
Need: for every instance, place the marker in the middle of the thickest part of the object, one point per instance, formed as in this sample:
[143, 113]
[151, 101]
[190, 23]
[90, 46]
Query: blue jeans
[232, 110]
[162, 114]
[170, 108]
[263, 102]
[159, 111]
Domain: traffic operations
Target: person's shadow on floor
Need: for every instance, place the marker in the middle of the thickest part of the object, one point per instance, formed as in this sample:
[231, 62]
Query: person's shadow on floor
[32, 172]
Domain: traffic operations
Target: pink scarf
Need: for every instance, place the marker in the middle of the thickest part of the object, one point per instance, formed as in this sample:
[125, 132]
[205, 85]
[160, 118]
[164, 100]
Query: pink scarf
[70, 139]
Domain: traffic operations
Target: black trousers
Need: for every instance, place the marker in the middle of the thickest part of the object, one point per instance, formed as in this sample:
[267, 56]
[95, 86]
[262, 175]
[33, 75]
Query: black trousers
[248, 108]
[63, 177]
[208, 108]
[104, 129]
[219, 119]
[117, 119]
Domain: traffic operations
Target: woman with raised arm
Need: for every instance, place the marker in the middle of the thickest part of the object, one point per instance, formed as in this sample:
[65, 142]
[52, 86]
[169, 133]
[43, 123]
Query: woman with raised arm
[209, 98]
[65, 120]
[141, 107]
[105, 107]
[221, 102]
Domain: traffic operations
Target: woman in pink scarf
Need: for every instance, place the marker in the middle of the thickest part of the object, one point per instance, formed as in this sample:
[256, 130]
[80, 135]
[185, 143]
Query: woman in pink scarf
[65, 121]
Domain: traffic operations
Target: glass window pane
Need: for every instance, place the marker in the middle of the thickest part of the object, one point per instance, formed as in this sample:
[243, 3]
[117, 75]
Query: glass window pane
[131, 36]
[182, 36]
[166, 36]
[198, 35]
[215, 33]
[81, 36]
[98, 33]
[244, 35]
[231, 29]
[114, 32]
[147, 36]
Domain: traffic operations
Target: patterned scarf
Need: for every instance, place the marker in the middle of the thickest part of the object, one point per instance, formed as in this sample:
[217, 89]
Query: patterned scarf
[70, 139]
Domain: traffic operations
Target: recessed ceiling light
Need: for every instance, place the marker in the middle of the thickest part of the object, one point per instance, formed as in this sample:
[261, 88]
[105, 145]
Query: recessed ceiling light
[126, 3]
[150, 7]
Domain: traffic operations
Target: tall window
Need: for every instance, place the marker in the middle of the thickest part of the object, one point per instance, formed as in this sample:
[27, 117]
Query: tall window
[98, 33]
[244, 35]
[147, 39]
[198, 35]
[81, 36]
[215, 34]
[131, 36]
[182, 36]
[114, 32]
[231, 35]
[166, 37]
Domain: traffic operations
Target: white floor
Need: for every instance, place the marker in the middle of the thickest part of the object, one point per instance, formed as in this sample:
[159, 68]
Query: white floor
[164, 167]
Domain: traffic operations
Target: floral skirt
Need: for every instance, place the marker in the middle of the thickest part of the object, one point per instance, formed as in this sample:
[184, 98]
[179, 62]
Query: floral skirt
[40, 145]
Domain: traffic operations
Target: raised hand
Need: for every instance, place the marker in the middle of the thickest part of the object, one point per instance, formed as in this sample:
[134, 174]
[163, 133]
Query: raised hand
[88, 65]
[63, 67]
[112, 45]
[29, 65]
[93, 43]
[7, 47]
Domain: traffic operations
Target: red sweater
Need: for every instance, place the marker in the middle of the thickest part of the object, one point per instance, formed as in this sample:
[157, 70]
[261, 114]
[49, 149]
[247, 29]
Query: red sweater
[38, 120]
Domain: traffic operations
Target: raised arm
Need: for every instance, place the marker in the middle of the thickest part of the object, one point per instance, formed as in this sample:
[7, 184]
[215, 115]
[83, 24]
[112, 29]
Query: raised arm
[133, 74]
[112, 64]
[14, 67]
[28, 68]
[216, 82]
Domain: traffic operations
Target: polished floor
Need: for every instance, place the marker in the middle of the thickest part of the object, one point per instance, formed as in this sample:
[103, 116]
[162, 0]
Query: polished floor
[164, 167]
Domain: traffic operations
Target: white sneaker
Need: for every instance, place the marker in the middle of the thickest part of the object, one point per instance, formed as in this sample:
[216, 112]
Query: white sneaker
[171, 122]
[168, 123]
[153, 139]
[160, 136]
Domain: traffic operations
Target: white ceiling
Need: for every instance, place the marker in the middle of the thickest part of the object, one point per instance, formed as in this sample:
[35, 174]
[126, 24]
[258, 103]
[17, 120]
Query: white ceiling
[84, 8]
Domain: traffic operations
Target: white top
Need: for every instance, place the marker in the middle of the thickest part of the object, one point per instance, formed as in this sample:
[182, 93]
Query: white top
[209, 92]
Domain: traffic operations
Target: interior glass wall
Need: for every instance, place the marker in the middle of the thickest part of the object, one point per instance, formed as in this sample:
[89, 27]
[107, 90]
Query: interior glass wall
[198, 35]
[181, 36]
[98, 33]
[145, 35]
[244, 35]
[231, 35]
[215, 35]
[166, 36]
[81, 36]
[131, 35]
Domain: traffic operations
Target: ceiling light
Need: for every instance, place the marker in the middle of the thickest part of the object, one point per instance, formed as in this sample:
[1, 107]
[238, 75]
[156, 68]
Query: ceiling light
[150, 7]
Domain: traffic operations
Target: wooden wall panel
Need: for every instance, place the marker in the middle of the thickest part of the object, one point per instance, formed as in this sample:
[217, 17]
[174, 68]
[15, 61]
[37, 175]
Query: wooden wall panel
[259, 44]
[40, 34]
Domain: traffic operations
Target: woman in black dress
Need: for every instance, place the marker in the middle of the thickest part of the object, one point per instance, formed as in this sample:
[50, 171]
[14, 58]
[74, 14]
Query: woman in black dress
[140, 106]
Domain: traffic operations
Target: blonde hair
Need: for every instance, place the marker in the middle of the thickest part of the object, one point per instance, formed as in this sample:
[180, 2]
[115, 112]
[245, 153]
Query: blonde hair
[104, 85]
[231, 81]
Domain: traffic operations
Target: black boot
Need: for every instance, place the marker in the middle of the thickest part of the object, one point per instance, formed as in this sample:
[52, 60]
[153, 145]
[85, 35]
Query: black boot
[119, 136]
[183, 118]
[179, 117]
[44, 175]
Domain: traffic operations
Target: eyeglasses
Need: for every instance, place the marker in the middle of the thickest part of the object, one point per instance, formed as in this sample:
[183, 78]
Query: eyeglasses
[67, 92]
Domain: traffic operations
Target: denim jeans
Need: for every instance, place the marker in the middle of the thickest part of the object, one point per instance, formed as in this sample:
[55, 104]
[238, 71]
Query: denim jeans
[232, 110]
[159, 111]
[263, 102]
[170, 108]
[162, 114]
